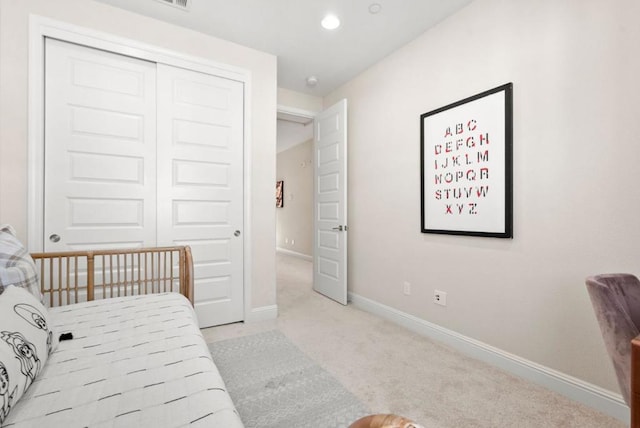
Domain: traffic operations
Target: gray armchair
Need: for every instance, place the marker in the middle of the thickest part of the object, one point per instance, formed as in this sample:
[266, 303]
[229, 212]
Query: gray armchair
[616, 302]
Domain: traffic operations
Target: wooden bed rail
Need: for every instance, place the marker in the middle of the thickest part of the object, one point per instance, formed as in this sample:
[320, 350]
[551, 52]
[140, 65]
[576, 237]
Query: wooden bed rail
[76, 276]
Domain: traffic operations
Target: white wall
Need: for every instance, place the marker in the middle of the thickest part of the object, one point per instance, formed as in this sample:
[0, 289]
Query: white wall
[298, 100]
[294, 221]
[14, 24]
[575, 66]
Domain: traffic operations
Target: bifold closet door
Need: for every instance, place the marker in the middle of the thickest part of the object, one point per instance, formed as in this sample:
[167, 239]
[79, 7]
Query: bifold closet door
[200, 184]
[100, 149]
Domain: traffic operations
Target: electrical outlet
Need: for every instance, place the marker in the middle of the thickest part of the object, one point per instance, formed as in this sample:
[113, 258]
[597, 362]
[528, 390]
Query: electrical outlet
[407, 288]
[440, 298]
[293, 242]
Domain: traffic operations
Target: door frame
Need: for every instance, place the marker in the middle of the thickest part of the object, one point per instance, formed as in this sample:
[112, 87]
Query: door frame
[296, 112]
[41, 28]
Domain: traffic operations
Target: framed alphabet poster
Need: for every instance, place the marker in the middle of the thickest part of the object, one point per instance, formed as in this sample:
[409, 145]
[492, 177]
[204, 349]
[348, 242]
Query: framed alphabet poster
[466, 166]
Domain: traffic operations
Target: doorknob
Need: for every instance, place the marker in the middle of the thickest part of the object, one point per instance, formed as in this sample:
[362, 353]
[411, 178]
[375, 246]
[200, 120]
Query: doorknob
[236, 233]
[54, 238]
[338, 228]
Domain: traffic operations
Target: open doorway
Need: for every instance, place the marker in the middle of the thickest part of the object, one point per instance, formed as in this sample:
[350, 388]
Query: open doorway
[312, 180]
[294, 181]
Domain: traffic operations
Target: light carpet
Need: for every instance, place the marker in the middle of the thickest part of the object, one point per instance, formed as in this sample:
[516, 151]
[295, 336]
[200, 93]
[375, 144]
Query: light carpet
[273, 384]
[393, 370]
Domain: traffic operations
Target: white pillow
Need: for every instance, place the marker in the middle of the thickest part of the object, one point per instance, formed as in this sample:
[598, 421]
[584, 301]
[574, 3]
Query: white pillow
[16, 265]
[26, 340]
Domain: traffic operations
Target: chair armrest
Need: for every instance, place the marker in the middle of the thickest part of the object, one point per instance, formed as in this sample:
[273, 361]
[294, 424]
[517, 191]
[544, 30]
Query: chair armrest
[635, 382]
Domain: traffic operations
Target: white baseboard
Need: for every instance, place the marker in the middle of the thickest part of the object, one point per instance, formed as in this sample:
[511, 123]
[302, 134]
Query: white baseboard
[294, 254]
[263, 313]
[586, 393]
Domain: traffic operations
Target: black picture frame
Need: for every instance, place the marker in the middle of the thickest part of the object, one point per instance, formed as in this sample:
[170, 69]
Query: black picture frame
[466, 166]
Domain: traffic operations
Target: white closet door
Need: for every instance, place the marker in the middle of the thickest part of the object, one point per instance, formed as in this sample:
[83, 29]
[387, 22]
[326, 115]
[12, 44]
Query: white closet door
[200, 184]
[100, 151]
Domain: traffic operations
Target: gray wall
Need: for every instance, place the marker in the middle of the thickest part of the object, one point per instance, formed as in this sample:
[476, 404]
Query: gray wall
[575, 68]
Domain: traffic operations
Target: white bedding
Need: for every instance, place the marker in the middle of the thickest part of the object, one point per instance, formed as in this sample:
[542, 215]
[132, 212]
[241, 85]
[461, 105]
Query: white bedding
[136, 361]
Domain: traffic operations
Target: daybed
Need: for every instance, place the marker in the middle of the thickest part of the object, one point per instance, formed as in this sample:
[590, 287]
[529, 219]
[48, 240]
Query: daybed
[136, 357]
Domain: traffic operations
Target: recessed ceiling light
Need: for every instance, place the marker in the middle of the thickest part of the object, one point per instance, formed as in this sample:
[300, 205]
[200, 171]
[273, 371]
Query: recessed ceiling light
[375, 8]
[312, 81]
[330, 22]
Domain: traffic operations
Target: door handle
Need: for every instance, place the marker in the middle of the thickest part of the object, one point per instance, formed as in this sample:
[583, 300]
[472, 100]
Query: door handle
[338, 228]
[54, 238]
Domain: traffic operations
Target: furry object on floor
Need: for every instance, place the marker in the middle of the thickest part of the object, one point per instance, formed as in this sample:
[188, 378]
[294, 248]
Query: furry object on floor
[384, 421]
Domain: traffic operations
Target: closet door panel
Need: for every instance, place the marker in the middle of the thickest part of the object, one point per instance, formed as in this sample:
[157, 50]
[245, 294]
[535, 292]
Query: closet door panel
[200, 184]
[100, 149]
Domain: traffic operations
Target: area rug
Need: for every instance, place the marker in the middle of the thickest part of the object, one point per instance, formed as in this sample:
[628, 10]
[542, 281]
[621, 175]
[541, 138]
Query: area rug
[274, 384]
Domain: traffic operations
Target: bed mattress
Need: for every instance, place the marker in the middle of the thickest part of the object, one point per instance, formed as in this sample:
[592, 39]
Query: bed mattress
[136, 361]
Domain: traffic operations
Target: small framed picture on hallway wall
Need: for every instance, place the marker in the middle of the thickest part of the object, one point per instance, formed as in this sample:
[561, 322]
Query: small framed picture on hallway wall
[466, 166]
[279, 194]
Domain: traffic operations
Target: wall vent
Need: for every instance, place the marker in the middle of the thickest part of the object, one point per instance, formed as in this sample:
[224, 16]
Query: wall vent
[180, 4]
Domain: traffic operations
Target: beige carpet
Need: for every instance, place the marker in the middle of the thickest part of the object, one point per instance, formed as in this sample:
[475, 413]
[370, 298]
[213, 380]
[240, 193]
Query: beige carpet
[393, 370]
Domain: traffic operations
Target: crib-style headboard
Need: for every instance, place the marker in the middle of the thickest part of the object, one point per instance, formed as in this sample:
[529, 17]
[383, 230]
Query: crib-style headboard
[77, 276]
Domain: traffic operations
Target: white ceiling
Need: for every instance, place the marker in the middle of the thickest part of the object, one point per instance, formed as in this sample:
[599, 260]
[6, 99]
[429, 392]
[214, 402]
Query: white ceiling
[290, 29]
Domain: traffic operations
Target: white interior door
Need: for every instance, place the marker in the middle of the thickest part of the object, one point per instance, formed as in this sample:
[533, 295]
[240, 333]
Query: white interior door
[100, 155]
[200, 184]
[330, 203]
